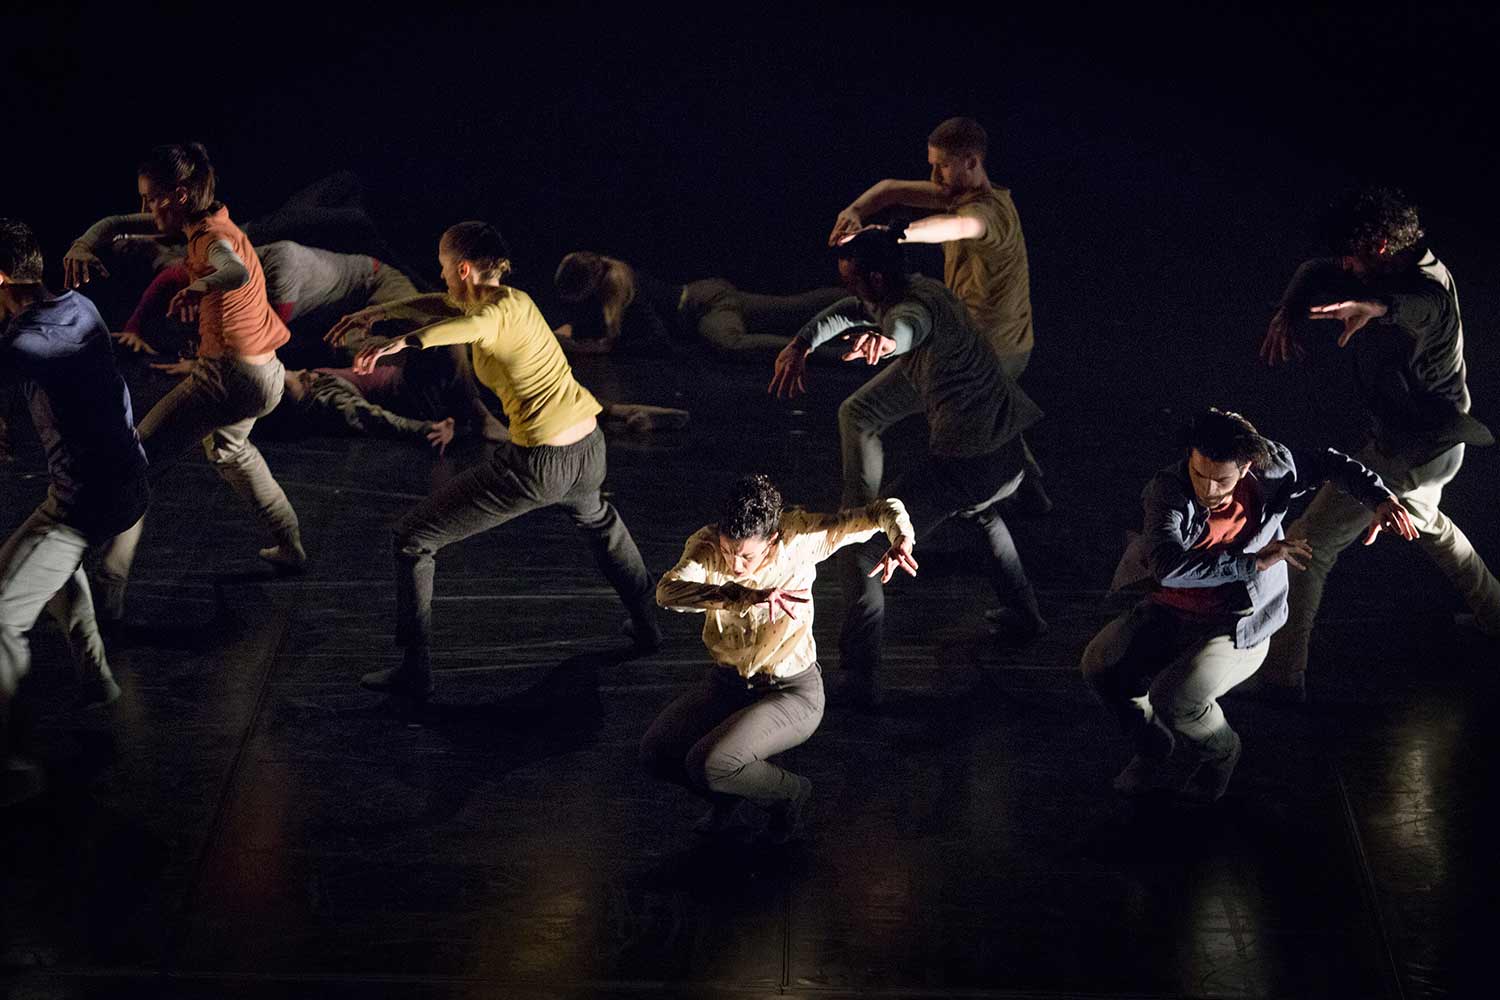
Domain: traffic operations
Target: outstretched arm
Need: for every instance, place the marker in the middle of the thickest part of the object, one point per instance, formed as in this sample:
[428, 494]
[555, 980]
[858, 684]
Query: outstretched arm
[418, 308]
[1316, 468]
[882, 195]
[82, 257]
[789, 377]
[1280, 343]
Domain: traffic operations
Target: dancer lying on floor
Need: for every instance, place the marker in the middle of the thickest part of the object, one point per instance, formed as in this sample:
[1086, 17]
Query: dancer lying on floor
[611, 306]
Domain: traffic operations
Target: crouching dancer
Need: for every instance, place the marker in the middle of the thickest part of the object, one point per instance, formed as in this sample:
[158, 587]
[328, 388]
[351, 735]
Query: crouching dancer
[1213, 546]
[60, 348]
[752, 574]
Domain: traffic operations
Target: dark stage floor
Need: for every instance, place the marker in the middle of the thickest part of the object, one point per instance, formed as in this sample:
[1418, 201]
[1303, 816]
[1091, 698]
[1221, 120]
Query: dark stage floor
[246, 822]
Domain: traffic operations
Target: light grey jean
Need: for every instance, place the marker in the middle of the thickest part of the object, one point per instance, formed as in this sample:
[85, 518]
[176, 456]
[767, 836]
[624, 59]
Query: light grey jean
[882, 402]
[714, 740]
[1163, 679]
[41, 567]
[1335, 519]
[216, 405]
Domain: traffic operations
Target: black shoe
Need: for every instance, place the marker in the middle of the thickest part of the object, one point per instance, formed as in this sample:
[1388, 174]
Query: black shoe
[789, 817]
[646, 638]
[1012, 628]
[1260, 689]
[860, 690]
[97, 692]
[404, 681]
[722, 817]
[20, 779]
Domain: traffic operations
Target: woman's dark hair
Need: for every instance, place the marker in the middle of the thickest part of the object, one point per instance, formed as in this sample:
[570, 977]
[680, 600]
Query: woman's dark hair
[586, 276]
[752, 509]
[182, 165]
[579, 276]
[1225, 436]
[876, 251]
[1369, 220]
[480, 244]
[20, 257]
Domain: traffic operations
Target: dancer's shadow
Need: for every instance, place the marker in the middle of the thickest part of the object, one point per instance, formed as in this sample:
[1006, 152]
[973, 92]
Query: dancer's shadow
[555, 715]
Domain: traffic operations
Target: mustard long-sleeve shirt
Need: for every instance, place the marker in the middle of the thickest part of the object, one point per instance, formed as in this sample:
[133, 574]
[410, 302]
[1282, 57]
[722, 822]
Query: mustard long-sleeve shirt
[516, 355]
[737, 631]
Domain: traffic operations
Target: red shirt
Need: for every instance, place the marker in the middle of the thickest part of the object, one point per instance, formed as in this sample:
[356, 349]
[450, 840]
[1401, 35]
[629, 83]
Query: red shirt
[1228, 528]
[239, 322]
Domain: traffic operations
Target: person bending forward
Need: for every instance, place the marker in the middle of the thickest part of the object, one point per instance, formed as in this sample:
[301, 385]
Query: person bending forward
[1213, 548]
[751, 574]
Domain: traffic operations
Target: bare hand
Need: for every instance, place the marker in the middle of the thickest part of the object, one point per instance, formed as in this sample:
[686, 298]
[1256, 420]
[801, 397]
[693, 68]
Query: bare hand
[786, 600]
[133, 341]
[897, 556]
[846, 225]
[1280, 345]
[440, 433]
[1295, 552]
[1391, 516]
[1354, 314]
[364, 361]
[870, 345]
[354, 323]
[185, 305]
[179, 367]
[77, 263]
[791, 367]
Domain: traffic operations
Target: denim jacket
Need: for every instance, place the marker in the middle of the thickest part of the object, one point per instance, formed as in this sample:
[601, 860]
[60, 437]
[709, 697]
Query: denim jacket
[1162, 554]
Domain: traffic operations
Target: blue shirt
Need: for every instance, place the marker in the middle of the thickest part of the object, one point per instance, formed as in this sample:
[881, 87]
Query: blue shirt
[62, 351]
[1163, 554]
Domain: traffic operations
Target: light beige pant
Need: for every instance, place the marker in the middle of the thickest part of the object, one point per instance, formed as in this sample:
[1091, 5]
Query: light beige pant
[216, 405]
[40, 567]
[1163, 681]
[1335, 519]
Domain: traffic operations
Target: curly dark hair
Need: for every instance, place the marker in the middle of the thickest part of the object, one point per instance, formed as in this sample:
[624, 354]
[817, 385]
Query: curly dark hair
[1225, 436]
[752, 509]
[1370, 220]
[20, 257]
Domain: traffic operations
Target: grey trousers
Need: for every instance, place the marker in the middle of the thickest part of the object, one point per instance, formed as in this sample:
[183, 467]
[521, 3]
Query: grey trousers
[1334, 520]
[515, 481]
[881, 403]
[41, 567]
[739, 323]
[215, 406]
[714, 740]
[1163, 680]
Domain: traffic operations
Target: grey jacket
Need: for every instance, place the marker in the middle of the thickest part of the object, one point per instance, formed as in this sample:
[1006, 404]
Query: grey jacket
[1162, 554]
[973, 408]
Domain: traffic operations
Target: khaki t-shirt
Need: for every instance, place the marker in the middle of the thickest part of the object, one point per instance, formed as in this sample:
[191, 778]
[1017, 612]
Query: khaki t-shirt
[517, 356]
[990, 273]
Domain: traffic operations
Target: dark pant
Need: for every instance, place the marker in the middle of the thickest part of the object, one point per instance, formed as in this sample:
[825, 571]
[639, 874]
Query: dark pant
[714, 740]
[517, 480]
[936, 489]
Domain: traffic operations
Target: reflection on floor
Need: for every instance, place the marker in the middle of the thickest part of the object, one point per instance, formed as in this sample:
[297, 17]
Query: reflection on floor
[246, 822]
